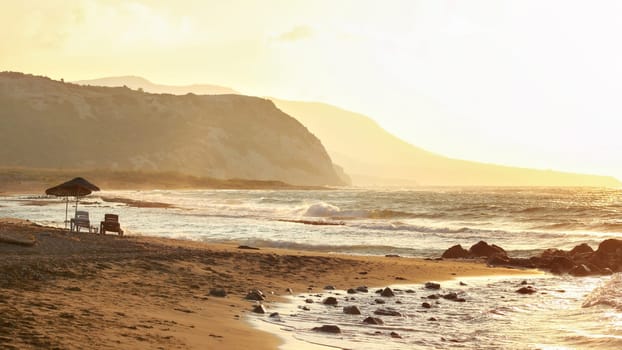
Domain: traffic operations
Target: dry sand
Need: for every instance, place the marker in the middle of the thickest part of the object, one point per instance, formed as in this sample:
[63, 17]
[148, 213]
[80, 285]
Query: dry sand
[81, 290]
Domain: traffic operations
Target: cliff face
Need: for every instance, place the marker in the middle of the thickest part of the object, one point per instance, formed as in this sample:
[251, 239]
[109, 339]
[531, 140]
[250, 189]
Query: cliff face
[51, 124]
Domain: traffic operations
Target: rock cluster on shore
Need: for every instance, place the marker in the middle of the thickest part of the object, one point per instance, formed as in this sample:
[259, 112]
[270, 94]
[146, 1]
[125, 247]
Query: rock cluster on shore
[582, 260]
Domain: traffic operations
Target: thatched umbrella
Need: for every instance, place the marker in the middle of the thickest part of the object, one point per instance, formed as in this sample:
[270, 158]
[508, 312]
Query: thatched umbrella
[77, 187]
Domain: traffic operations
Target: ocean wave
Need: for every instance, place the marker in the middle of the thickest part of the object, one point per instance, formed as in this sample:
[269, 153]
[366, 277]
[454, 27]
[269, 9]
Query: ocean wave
[322, 210]
[608, 294]
[413, 228]
[334, 212]
[580, 226]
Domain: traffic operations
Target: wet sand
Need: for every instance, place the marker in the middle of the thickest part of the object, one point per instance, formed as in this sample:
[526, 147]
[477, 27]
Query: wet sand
[81, 290]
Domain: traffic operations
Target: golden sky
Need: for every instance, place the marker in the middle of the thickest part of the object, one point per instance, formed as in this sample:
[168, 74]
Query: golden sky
[526, 83]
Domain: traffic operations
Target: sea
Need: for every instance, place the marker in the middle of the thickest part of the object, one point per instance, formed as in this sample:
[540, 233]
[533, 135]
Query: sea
[565, 313]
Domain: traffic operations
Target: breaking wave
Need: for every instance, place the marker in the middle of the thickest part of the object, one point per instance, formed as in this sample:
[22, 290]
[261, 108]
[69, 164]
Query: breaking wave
[608, 294]
[327, 210]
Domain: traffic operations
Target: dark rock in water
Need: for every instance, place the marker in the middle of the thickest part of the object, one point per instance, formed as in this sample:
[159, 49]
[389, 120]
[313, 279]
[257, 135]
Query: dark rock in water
[560, 264]
[327, 329]
[432, 319]
[432, 285]
[409, 291]
[309, 301]
[387, 312]
[398, 302]
[460, 300]
[463, 284]
[387, 292]
[581, 249]
[553, 252]
[275, 315]
[378, 291]
[527, 263]
[524, 283]
[218, 292]
[373, 320]
[608, 255]
[450, 296]
[330, 301]
[306, 308]
[329, 288]
[433, 296]
[351, 291]
[256, 295]
[395, 335]
[426, 305]
[362, 289]
[498, 259]
[610, 247]
[392, 256]
[526, 290]
[455, 252]
[580, 271]
[482, 248]
[259, 309]
[379, 301]
[351, 310]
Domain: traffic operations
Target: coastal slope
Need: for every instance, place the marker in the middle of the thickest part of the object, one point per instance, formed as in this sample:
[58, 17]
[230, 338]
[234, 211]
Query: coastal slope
[51, 124]
[373, 156]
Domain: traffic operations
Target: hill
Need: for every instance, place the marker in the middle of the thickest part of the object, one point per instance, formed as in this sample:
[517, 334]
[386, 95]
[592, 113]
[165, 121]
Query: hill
[51, 124]
[135, 83]
[371, 155]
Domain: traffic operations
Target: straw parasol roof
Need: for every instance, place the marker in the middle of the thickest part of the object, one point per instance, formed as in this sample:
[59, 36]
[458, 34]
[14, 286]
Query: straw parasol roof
[77, 187]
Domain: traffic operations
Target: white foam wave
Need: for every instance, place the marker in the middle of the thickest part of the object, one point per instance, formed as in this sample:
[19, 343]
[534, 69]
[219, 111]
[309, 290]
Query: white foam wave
[412, 228]
[609, 294]
[322, 210]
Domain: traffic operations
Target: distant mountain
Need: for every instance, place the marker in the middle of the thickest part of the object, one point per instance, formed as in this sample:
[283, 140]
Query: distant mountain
[371, 155]
[134, 82]
[51, 124]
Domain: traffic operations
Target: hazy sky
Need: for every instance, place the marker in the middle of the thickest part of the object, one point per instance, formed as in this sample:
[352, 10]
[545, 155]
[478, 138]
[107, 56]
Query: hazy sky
[527, 83]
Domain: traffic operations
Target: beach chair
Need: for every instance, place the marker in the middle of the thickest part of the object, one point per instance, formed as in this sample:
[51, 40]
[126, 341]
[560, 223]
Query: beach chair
[81, 220]
[110, 223]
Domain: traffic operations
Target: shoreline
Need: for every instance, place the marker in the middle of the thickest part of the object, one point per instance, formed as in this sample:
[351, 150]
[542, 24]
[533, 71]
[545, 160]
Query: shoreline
[290, 339]
[72, 290]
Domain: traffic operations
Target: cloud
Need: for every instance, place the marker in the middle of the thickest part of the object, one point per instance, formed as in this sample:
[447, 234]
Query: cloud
[297, 33]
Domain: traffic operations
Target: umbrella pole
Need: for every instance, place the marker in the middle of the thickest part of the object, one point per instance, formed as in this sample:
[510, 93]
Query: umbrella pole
[66, 208]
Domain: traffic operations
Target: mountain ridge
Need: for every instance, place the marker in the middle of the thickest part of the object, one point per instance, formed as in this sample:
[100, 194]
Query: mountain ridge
[136, 82]
[217, 136]
[400, 159]
[371, 155]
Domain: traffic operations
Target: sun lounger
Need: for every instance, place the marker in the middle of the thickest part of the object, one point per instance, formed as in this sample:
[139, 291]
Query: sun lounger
[110, 223]
[81, 220]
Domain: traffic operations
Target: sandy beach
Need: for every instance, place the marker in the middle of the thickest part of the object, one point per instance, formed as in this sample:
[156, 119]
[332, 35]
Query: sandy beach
[77, 290]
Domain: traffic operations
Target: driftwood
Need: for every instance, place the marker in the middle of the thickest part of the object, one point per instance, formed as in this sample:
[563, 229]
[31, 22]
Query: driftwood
[17, 239]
